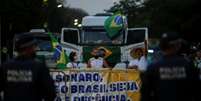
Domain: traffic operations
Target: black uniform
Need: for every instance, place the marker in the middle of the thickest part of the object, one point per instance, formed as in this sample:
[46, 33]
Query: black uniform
[172, 78]
[25, 79]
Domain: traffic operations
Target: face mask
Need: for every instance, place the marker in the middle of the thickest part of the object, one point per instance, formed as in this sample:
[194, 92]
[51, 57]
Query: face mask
[96, 57]
[75, 58]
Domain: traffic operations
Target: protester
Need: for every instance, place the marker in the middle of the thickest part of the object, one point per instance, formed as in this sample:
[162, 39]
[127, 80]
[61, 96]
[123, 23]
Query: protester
[172, 78]
[139, 61]
[98, 61]
[73, 60]
[24, 78]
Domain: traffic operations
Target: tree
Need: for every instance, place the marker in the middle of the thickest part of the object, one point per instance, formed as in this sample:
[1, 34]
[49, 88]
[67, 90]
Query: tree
[134, 11]
[64, 17]
[21, 11]
[172, 15]
[18, 16]
[163, 15]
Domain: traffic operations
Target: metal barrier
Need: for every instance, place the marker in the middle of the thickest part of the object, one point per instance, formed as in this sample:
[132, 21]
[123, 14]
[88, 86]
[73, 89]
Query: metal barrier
[97, 85]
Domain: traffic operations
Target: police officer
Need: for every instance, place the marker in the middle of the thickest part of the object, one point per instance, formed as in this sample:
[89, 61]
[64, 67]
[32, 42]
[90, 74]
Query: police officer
[24, 78]
[172, 78]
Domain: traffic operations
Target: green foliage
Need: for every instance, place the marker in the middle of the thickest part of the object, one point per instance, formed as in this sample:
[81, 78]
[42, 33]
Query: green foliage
[162, 15]
[129, 8]
[22, 15]
[63, 17]
[28, 14]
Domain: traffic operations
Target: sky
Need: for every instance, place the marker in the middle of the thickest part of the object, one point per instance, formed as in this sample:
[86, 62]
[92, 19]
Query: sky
[91, 6]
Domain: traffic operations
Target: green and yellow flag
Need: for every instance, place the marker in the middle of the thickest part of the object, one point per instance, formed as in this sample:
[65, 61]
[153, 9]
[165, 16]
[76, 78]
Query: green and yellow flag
[54, 41]
[63, 59]
[114, 25]
[59, 54]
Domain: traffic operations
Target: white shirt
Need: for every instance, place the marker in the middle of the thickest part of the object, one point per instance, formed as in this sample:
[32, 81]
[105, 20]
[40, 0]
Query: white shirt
[72, 65]
[96, 63]
[141, 63]
[198, 62]
[82, 65]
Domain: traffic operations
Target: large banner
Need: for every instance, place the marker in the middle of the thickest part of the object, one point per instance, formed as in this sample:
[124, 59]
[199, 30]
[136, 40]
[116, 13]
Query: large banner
[97, 85]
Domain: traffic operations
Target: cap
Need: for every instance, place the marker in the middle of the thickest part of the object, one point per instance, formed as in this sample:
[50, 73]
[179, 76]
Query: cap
[24, 41]
[169, 39]
[170, 36]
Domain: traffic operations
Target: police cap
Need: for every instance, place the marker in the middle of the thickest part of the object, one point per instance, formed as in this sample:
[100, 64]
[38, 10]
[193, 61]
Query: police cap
[169, 39]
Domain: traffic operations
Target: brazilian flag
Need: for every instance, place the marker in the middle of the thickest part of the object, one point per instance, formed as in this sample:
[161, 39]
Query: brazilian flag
[59, 54]
[62, 59]
[114, 25]
[54, 41]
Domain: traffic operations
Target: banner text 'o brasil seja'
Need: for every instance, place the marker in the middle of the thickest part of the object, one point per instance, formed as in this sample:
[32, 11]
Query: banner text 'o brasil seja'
[101, 85]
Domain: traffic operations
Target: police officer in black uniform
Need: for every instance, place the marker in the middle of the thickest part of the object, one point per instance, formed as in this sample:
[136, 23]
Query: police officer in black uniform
[173, 77]
[24, 78]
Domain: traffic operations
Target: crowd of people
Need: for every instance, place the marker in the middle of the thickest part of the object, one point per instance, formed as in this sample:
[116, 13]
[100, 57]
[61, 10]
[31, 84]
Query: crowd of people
[174, 77]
